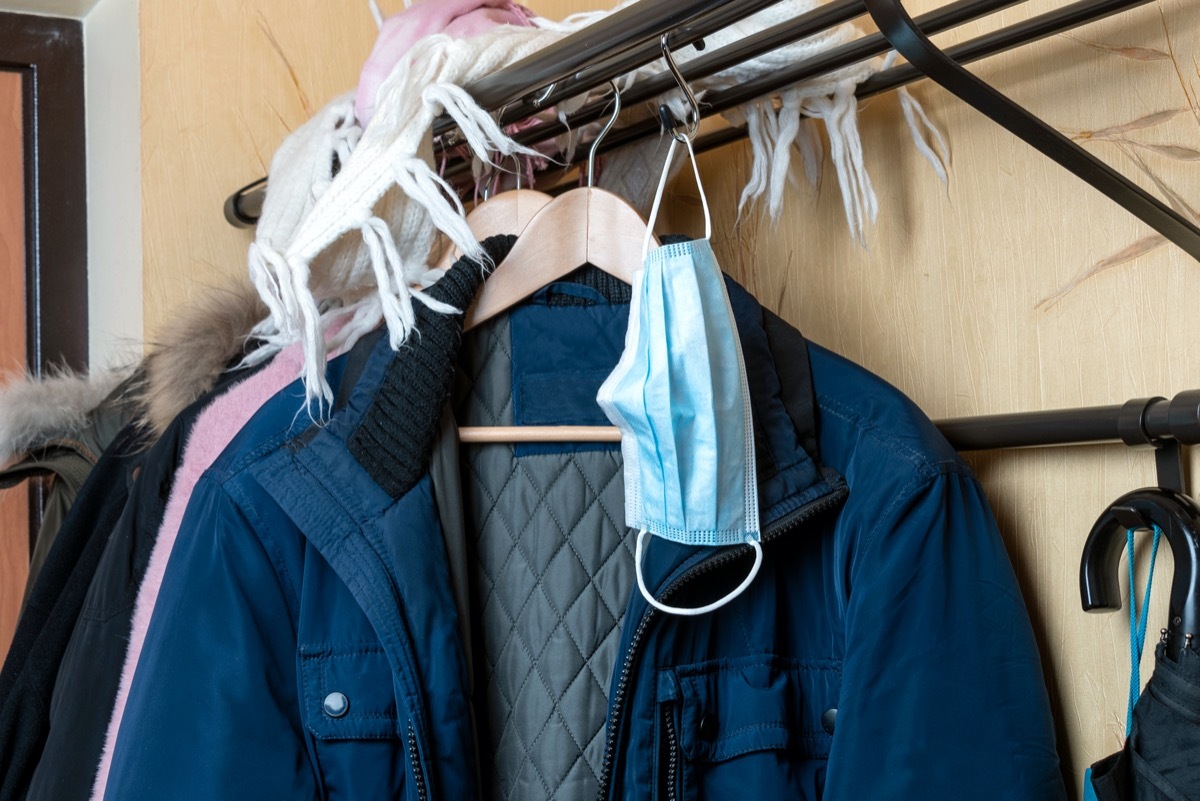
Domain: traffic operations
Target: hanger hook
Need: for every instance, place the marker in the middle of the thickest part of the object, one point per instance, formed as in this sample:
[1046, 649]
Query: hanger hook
[486, 190]
[540, 99]
[591, 162]
[693, 123]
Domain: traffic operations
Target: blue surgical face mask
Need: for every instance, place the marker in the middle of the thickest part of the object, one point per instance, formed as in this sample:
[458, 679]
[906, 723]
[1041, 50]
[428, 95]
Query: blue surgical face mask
[680, 398]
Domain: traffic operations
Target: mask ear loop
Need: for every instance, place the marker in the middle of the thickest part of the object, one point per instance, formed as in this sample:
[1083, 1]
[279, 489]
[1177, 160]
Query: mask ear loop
[679, 133]
[684, 133]
[699, 610]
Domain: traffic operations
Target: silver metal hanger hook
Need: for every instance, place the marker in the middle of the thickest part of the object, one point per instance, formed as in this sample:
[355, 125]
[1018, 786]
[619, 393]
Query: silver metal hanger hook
[591, 162]
[693, 122]
[486, 191]
[540, 99]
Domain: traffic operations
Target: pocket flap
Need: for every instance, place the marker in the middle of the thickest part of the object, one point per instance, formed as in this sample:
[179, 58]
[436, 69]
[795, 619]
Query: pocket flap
[734, 707]
[348, 693]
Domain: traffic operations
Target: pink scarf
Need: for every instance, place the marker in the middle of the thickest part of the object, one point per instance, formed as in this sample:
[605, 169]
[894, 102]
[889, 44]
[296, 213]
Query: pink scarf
[461, 19]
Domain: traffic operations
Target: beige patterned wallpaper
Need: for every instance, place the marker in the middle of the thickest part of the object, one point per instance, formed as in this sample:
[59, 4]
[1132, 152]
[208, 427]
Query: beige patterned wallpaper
[1012, 287]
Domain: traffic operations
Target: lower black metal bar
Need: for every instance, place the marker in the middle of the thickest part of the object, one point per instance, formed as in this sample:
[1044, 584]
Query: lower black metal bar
[1032, 429]
[908, 39]
[1140, 422]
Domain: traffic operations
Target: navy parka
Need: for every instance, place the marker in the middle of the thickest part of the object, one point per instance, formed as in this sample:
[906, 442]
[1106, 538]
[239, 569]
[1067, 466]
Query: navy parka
[308, 643]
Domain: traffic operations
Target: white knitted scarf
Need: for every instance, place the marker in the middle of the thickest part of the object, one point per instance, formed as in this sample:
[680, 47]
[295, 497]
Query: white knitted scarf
[362, 239]
[306, 213]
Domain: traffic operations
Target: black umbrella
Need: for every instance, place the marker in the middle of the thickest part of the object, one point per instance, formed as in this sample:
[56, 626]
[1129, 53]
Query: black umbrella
[1161, 757]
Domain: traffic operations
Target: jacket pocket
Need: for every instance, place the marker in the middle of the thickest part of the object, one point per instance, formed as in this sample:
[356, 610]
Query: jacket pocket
[348, 693]
[750, 724]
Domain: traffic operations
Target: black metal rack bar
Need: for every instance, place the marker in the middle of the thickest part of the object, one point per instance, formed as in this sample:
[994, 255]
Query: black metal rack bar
[639, 51]
[617, 34]
[619, 43]
[781, 35]
[906, 36]
[244, 207]
[815, 21]
[1039, 27]
[596, 64]
[1142, 422]
[1007, 38]
[981, 47]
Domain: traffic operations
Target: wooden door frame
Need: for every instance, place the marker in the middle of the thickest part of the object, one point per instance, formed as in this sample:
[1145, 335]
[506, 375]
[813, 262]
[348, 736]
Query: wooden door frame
[48, 52]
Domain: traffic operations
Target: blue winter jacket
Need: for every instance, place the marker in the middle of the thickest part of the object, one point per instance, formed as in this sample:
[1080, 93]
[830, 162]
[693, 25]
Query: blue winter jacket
[365, 610]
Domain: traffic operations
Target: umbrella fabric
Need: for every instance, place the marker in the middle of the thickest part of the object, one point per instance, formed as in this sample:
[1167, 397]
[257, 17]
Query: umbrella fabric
[1161, 757]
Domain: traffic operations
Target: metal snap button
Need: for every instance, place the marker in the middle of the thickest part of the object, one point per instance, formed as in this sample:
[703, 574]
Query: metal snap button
[829, 720]
[336, 705]
[708, 726]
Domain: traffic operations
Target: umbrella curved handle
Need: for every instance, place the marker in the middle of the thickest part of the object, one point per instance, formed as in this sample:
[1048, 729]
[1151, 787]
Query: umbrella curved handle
[1178, 516]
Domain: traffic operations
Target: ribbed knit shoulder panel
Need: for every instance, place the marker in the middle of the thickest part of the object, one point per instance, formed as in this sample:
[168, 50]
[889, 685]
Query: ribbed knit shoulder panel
[394, 441]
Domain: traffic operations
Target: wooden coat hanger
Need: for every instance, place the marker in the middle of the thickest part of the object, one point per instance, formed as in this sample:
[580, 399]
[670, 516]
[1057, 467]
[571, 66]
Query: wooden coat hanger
[502, 213]
[587, 225]
[583, 226]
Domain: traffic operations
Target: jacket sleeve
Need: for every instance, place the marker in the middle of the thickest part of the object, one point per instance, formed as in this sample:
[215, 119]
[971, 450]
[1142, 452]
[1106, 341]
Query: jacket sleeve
[940, 660]
[212, 707]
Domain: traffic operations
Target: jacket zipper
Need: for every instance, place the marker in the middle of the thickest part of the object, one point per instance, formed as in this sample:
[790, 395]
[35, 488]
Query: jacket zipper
[415, 759]
[708, 565]
[672, 751]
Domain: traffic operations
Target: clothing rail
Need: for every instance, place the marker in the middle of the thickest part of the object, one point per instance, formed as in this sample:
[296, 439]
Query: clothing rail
[633, 46]
[621, 42]
[243, 207]
[1142, 422]
[1155, 422]
[588, 63]
[1008, 38]
[806, 25]
[946, 68]
[991, 44]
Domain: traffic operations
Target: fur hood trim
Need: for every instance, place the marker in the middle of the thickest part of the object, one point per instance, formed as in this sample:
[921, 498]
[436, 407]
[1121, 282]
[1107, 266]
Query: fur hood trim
[206, 337]
[36, 411]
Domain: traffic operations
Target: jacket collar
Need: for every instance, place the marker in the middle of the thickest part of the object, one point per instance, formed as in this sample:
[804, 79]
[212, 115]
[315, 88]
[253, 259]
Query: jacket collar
[393, 438]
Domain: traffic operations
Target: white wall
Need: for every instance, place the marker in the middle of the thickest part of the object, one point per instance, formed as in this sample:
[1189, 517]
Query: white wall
[114, 117]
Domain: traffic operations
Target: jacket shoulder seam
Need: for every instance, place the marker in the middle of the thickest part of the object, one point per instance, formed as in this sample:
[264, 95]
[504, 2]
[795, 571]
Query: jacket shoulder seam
[927, 474]
[924, 462]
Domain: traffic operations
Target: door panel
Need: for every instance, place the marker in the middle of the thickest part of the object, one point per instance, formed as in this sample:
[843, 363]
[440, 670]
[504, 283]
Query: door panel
[43, 240]
[14, 503]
